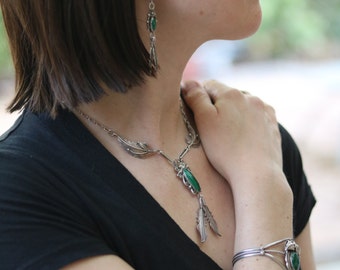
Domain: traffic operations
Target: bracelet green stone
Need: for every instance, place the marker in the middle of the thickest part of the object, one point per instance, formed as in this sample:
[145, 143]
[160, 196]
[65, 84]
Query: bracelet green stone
[290, 253]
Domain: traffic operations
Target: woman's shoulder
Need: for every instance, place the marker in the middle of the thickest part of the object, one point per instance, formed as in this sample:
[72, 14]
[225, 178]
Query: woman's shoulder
[25, 142]
[30, 152]
[26, 134]
[304, 199]
[292, 161]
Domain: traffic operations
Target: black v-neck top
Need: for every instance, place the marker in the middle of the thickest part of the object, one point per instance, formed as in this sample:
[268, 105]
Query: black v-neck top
[64, 197]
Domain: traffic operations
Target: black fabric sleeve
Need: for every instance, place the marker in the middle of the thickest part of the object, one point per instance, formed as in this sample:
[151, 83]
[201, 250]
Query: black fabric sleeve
[41, 221]
[304, 200]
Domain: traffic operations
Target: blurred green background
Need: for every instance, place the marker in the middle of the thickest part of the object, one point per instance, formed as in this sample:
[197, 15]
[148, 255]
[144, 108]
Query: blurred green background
[298, 28]
[5, 58]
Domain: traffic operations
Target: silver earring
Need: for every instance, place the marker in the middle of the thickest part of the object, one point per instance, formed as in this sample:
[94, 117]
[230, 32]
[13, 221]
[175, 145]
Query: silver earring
[151, 24]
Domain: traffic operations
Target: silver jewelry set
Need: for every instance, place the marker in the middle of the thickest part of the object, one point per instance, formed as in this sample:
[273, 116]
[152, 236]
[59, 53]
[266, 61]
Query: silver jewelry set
[285, 252]
[142, 150]
[290, 251]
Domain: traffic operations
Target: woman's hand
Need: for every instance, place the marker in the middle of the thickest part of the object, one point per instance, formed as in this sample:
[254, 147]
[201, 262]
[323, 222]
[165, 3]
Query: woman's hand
[239, 132]
[241, 139]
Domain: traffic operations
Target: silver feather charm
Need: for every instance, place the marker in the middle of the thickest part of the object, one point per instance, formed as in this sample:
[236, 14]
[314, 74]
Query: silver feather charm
[136, 149]
[204, 217]
[201, 219]
[210, 219]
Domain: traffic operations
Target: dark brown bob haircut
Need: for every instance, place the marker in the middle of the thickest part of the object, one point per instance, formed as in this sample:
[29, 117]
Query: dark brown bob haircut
[66, 51]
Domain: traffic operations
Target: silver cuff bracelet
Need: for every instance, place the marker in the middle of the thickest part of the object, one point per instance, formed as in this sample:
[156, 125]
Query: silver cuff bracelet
[290, 253]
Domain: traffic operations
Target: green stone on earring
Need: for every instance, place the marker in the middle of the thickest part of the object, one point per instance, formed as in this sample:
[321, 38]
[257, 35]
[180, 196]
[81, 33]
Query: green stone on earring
[192, 181]
[294, 260]
[153, 23]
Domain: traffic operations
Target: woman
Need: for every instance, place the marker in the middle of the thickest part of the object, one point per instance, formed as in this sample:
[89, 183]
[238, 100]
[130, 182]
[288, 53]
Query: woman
[80, 189]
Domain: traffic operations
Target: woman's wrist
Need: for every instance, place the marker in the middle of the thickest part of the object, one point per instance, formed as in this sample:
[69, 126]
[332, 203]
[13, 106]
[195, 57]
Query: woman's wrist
[263, 213]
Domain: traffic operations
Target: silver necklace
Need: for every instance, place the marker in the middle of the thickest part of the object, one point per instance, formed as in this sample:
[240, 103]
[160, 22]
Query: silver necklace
[143, 150]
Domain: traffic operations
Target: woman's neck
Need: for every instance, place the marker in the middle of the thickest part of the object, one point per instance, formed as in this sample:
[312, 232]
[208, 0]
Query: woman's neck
[148, 113]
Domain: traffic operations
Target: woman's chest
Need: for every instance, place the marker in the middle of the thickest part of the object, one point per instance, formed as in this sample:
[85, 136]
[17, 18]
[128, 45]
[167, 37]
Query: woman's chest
[185, 208]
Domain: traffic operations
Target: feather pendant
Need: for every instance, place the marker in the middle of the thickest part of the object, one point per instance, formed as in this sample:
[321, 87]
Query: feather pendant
[204, 217]
[210, 219]
[201, 221]
[136, 149]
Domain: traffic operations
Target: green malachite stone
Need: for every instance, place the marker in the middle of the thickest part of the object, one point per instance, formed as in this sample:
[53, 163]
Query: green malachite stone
[153, 23]
[295, 260]
[192, 180]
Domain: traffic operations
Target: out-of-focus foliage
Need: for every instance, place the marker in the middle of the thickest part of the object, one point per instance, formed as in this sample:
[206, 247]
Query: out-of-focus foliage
[298, 28]
[5, 57]
[330, 12]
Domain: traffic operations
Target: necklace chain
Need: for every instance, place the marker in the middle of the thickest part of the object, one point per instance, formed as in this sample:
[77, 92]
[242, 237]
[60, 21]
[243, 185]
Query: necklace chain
[142, 150]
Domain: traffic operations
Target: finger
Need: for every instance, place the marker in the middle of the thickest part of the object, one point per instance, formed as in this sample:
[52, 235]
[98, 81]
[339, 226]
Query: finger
[271, 113]
[196, 97]
[216, 90]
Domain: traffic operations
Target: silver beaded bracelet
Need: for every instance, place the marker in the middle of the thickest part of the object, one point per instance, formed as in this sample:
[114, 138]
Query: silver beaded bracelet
[291, 254]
